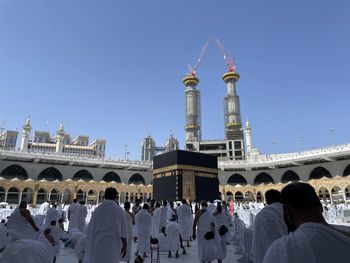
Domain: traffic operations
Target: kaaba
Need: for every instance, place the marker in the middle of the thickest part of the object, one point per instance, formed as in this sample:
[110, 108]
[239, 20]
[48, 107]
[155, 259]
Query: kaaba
[186, 175]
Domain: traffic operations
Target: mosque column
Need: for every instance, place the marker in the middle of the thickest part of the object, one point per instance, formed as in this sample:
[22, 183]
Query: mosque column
[20, 197]
[6, 192]
[62, 196]
[35, 198]
[49, 196]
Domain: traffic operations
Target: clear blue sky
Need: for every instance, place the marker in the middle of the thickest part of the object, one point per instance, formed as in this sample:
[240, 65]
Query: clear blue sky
[105, 68]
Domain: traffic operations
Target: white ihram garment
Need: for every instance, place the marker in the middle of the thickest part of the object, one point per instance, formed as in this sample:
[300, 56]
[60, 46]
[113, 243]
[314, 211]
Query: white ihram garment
[269, 225]
[51, 215]
[222, 219]
[143, 223]
[185, 219]
[207, 249]
[106, 228]
[163, 217]
[82, 213]
[310, 243]
[156, 222]
[73, 212]
[129, 226]
[18, 227]
[27, 251]
[172, 232]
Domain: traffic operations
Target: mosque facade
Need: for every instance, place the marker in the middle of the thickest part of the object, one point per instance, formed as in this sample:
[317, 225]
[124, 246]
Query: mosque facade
[61, 168]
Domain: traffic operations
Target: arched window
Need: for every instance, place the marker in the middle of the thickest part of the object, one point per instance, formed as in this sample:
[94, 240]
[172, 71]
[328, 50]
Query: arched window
[238, 196]
[290, 176]
[55, 195]
[236, 179]
[81, 195]
[323, 193]
[2, 194]
[50, 174]
[41, 196]
[83, 175]
[346, 171]
[320, 172]
[27, 195]
[14, 171]
[112, 177]
[67, 196]
[347, 192]
[137, 179]
[13, 196]
[263, 178]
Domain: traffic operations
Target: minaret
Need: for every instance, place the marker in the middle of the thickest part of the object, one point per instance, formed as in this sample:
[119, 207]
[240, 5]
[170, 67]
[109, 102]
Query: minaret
[25, 135]
[192, 111]
[60, 139]
[248, 137]
[233, 125]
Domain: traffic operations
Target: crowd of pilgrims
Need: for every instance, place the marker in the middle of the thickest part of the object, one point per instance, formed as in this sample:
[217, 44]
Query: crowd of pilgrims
[290, 228]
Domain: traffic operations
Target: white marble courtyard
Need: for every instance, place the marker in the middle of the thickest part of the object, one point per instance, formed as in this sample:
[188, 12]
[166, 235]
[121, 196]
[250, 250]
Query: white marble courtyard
[67, 255]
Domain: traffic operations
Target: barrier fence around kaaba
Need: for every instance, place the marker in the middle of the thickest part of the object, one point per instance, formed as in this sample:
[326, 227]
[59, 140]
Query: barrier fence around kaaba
[185, 175]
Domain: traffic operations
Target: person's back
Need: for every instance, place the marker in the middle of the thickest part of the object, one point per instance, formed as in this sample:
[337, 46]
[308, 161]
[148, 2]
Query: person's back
[51, 215]
[82, 213]
[21, 224]
[312, 239]
[269, 225]
[106, 232]
[73, 215]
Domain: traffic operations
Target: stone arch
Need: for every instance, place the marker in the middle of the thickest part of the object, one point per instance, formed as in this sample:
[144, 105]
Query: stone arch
[259, 197]
[249, 195]
[236, 179]
[83, 175]
[41, 196]
[13, 196]
[290, 176]
[81, 195]
[150, 196]
[27, 195]
[319, 172]
[50, 174]
[346, 171]
[131, 197]
[67, 196]
[55, 195]
[263, 178]
[137, 179]
[14, 171]
[127, 197]
[323, 193]
[238, 196]
[2, 194]
[112, 177]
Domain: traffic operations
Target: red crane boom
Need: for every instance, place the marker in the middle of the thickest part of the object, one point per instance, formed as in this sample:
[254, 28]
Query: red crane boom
[229, 61]
[199, 59]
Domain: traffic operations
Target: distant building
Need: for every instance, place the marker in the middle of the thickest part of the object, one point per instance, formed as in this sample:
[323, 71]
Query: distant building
[8, 139]
[149, 148]
[61, 144]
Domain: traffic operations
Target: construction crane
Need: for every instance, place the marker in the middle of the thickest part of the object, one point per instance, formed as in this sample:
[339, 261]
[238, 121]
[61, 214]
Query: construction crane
[198, 61]
[229, 61]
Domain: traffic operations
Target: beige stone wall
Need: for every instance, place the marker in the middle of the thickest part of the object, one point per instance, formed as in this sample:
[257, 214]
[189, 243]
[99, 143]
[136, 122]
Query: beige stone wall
[337, 186]
[65, 191]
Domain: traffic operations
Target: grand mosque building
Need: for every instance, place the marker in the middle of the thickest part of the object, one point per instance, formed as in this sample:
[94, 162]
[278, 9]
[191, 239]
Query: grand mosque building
[61, 168]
